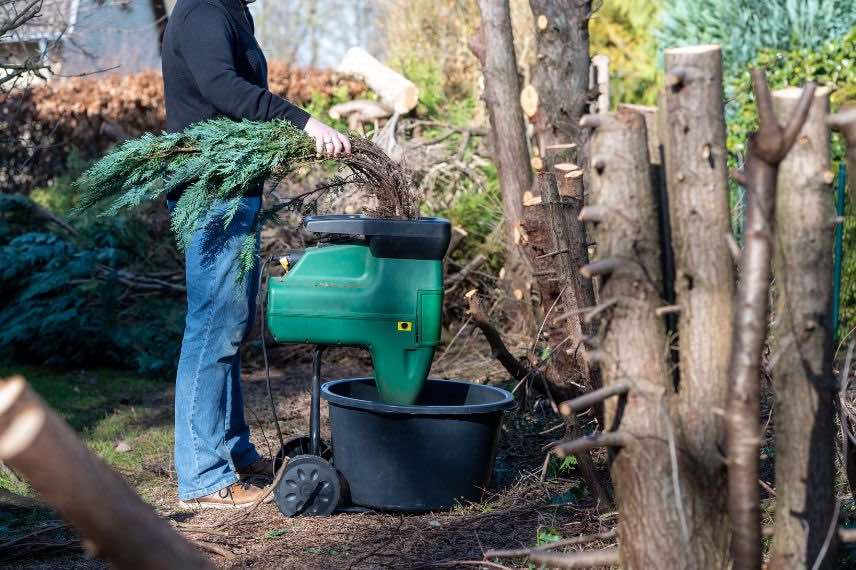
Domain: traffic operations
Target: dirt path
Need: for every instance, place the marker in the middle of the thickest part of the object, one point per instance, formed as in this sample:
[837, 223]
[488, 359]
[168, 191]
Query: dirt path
[517, 511]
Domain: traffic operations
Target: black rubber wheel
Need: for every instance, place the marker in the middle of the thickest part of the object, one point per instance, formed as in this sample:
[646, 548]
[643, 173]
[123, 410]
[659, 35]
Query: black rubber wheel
[310, 486]
[299, 445]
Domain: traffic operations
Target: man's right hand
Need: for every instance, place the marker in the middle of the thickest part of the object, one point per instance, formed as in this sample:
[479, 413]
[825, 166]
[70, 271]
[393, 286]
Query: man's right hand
[328, 141]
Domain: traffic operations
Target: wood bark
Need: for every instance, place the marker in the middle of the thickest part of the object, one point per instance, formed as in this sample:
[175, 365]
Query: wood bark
[563, 202]
[561, 80]
[767, 148]
[494, 47]
[633, 350]
[112, 519]
[697, 180]
[802, 374]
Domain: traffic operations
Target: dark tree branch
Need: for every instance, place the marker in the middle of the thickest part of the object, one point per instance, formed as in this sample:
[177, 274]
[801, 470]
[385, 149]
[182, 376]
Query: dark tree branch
[767, 148]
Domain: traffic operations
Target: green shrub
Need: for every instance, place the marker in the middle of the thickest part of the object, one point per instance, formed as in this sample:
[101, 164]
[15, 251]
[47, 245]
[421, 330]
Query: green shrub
[64, 304]
[478, 211]
[831, 65]
[745, 27]
[623, 30]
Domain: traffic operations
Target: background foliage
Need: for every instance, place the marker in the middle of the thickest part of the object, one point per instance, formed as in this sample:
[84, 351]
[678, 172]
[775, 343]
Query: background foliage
[745, 27]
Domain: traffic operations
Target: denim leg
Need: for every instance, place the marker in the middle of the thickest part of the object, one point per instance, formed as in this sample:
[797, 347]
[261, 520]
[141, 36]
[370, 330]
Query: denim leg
[238, 445]
[211, 436]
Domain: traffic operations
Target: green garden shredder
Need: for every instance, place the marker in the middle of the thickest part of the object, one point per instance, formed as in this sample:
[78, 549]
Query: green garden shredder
[373, 283]
[400, 441]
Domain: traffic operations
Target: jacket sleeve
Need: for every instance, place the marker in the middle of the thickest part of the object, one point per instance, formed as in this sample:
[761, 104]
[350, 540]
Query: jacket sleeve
[207, 48]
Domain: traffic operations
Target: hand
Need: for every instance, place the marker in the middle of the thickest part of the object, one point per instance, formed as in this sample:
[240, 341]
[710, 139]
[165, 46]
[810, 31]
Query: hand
[328, 141]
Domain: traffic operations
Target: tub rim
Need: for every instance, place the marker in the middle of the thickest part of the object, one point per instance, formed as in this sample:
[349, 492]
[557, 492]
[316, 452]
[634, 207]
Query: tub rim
[505, 402]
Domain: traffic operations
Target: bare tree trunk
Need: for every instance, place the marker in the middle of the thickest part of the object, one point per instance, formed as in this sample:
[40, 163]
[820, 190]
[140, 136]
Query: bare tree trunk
[767, 148]
[561, 80]
[803, 379]
[560, 97]
[697, 177]
[494, 47]
[114, 521]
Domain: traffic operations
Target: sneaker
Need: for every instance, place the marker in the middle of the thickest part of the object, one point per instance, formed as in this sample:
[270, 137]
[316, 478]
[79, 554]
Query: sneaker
[260, 469]
[236, 496]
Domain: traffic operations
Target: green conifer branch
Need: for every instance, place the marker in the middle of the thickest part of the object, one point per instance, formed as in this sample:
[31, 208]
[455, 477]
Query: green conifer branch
[218, 161]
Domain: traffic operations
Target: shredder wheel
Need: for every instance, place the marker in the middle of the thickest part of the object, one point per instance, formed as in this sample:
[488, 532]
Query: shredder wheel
[310, 486]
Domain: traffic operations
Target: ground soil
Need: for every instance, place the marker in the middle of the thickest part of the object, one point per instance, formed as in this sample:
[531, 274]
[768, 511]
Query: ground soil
[520, 508]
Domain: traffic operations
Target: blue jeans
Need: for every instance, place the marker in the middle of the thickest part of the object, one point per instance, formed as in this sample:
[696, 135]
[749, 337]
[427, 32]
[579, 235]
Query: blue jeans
[212, 438]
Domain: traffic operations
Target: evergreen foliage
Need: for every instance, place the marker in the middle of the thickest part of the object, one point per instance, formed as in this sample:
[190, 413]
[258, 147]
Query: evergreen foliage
[218, 161]
[830, 65]
[745, 27]
[58, 312]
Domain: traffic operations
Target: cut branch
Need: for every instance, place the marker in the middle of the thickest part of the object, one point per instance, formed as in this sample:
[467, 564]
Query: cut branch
[592, 441]
[113, 520]
[767, 148]
[601, 267]
[586, 401]
[590, 559]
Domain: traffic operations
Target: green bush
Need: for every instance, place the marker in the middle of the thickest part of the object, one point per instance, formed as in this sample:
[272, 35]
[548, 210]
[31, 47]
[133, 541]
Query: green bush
[745, 27]
[64, 303]
[831, 65]
[479, 212]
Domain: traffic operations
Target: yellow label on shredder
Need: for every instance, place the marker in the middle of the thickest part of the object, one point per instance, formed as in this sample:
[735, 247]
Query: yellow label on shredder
[405, 326]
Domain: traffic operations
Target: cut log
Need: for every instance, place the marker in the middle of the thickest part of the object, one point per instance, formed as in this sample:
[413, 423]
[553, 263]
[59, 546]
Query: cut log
[802, 375]
[395, 90]
[845, 122]
[561, 79]
[700, 219]
[115, 523]
[651, 514]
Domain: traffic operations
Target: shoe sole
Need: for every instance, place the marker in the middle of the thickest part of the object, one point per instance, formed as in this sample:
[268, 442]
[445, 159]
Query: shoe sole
[196, 506]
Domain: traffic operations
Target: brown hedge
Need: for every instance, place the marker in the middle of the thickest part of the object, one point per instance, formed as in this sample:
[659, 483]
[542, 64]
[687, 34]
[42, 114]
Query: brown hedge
[40, 126]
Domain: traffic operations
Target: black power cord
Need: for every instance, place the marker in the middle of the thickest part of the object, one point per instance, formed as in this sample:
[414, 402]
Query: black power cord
[265, 356]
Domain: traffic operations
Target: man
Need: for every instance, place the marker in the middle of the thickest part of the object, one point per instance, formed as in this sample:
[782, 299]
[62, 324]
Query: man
[213, 67]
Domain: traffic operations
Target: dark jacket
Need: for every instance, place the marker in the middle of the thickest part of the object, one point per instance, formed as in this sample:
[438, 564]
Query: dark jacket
[213, 67]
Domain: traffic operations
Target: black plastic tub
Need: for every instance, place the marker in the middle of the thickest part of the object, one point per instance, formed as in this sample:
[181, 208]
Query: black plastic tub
[415, 458]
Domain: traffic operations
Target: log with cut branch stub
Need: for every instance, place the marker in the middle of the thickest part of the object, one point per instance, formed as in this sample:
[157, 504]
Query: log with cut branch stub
[652, 523]
[559, 94]
[802, 375]
[114, 522]
[699, 215]
[767, 148]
